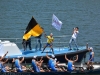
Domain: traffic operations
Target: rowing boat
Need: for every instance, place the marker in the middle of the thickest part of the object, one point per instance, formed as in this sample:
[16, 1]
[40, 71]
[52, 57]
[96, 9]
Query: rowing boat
[78, 71]
[14, 52]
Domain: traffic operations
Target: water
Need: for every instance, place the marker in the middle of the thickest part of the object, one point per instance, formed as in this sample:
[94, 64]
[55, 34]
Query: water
[16, 14]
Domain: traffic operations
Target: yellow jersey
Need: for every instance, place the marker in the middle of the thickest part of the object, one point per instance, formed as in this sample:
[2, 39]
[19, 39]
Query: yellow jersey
[50, 39]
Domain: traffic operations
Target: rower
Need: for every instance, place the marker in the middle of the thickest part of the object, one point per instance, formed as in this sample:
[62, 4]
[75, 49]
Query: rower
[37, 65]
[52, 63]
[18, 63]
[91, 58]
[2, 67]
[71, 62]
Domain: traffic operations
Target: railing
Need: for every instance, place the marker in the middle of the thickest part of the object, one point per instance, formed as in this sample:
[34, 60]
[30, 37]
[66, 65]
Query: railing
[59, 41]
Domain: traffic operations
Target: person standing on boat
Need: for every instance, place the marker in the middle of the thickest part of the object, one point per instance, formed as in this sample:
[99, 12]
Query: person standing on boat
[38, 42]
[91, 58]
[73, 38]
[71, 62]
[24, 44]
[18, 62]
[50, 40]
[27, 43]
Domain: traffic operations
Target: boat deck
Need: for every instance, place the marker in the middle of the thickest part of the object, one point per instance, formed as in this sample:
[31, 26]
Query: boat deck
[57, 51]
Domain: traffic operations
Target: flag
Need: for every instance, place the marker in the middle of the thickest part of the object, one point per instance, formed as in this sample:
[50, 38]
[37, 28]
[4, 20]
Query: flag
[56, 22]
[33, 29]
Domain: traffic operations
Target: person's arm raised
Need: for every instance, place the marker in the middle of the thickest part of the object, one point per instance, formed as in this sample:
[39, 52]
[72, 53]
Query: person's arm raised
[13, 60]
[47, 56]
[4, 55]
[76, 58]
[45, 35]
[5, 60]
[66, 58]
[41, 59]
[22, 60]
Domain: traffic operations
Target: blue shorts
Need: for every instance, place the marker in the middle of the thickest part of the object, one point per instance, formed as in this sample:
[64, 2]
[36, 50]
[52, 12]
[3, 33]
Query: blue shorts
[19, 70]
[3, 70]
[92, 60]
[48, 44]
[71, 69]
[36, 69]
[53, 69]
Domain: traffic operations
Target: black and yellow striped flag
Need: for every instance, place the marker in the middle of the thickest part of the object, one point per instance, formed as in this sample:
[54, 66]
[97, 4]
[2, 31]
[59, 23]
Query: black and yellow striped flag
[33, 29]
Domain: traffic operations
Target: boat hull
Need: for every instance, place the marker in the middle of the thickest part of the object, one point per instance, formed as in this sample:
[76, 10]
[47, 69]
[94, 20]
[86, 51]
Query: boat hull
[92, 72]
[60, 57]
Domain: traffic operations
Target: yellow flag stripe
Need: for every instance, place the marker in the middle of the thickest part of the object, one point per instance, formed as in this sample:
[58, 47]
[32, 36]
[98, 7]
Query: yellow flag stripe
[35, 31]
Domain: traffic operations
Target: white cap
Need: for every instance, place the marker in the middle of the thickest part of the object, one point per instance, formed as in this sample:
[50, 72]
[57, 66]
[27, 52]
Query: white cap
[18, 56]
[55, 59]
[34, 56]
[91, 48]
[51, 33]
[52, 56]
